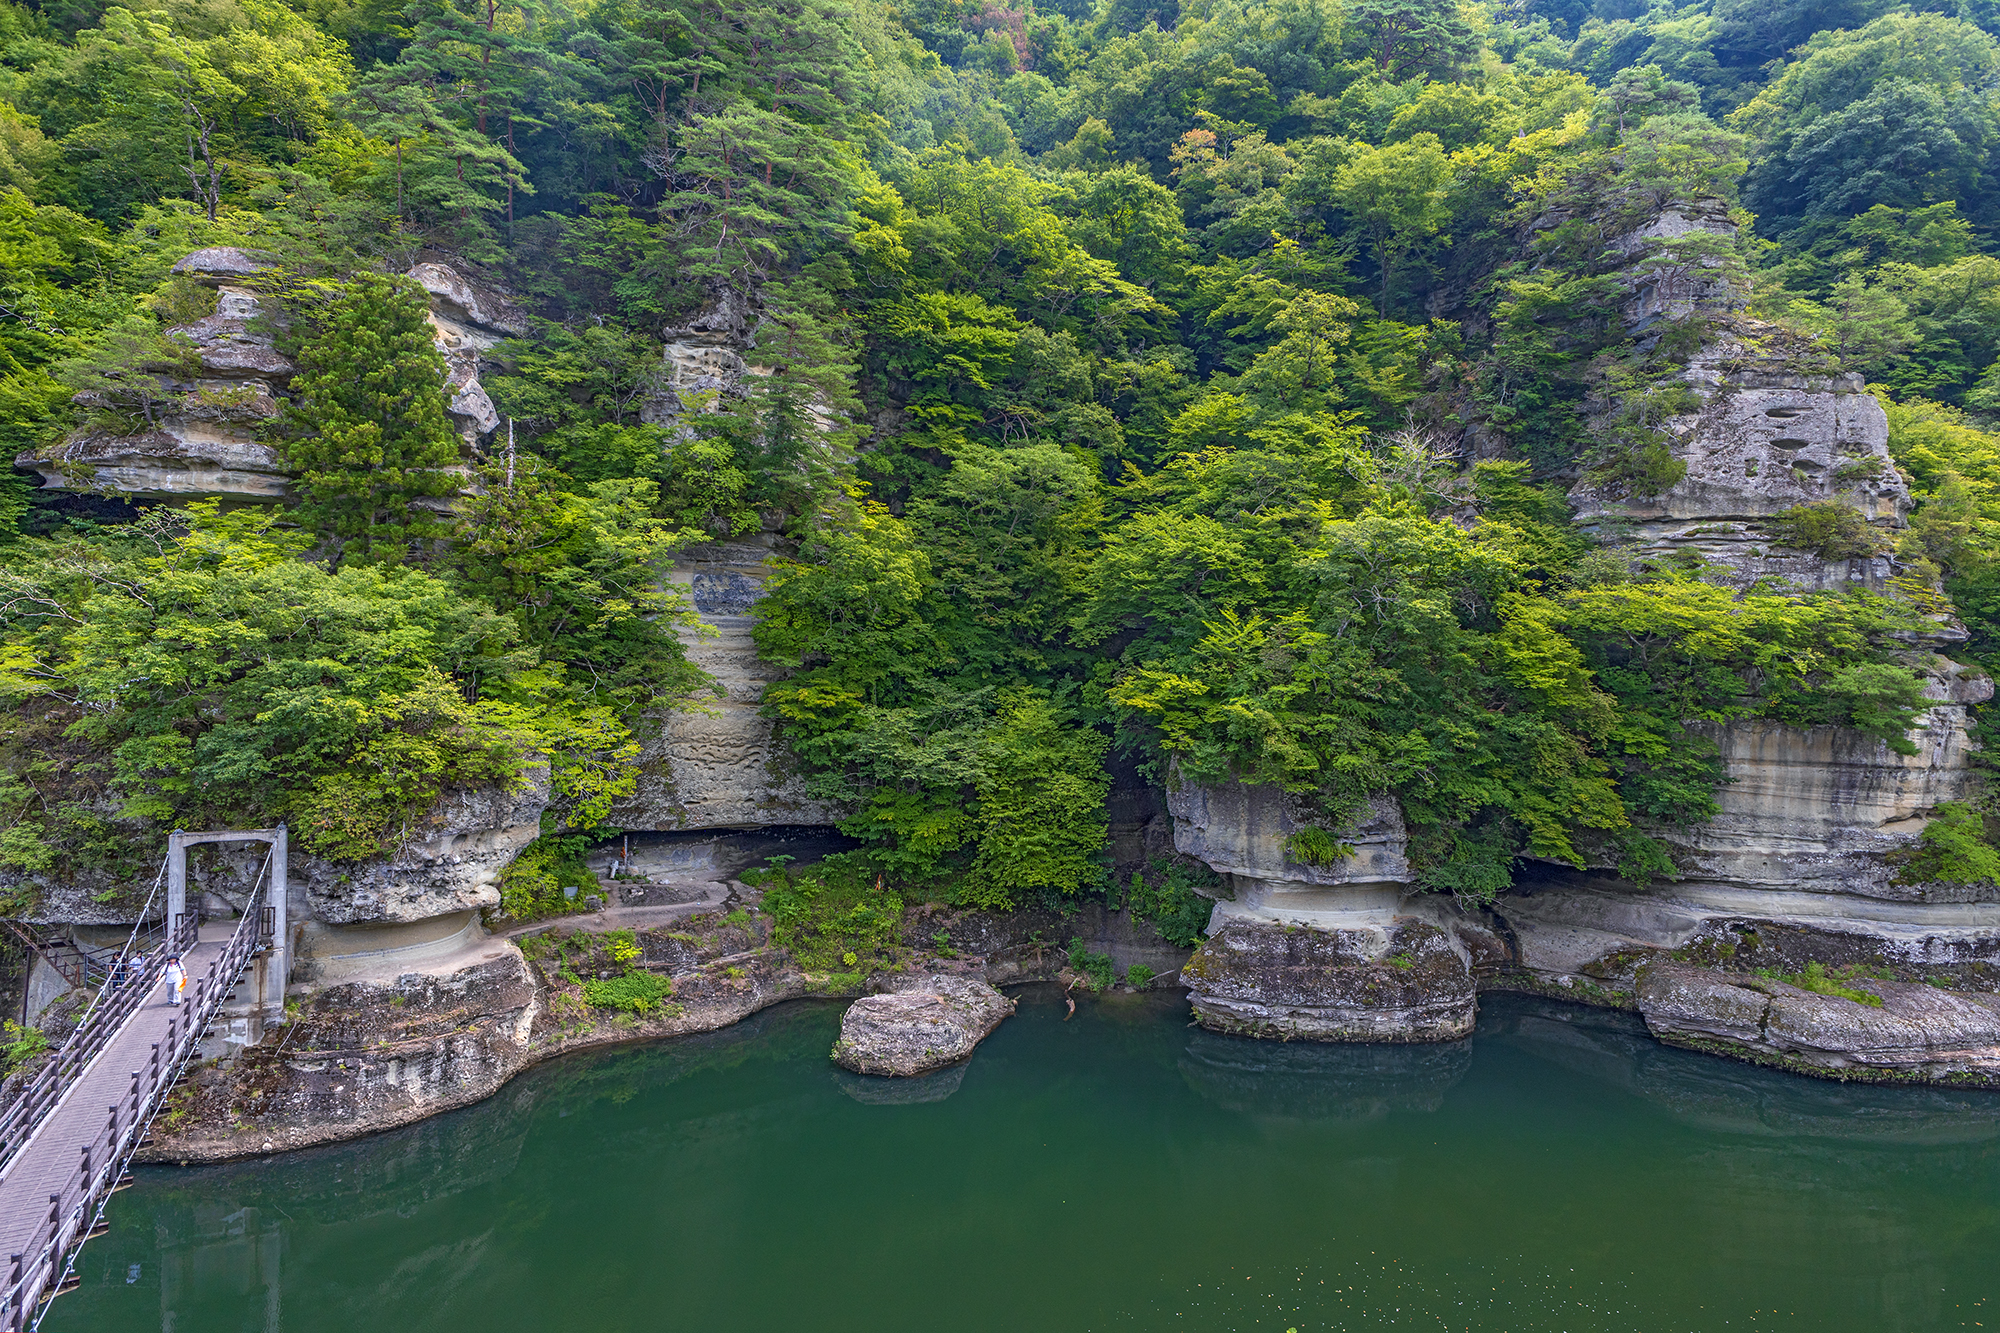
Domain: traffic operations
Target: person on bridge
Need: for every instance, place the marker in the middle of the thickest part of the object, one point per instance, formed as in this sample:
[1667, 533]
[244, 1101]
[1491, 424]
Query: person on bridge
[177, 979]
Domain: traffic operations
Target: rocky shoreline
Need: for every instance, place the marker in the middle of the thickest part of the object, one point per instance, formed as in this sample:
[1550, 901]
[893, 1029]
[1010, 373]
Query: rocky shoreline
[359, 1058]
[1792, 930]
[362, 1057]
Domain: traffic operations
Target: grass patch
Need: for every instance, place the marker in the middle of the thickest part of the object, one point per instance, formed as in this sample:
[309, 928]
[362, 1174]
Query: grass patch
[1095, 971]
[1820, 981]
[831, 917]
[1313, 846]
[635, 992]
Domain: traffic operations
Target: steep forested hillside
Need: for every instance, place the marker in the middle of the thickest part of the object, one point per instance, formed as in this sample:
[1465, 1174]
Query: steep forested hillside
[1203, 386]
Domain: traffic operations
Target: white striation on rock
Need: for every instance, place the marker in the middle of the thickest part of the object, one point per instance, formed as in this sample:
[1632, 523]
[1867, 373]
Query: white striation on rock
[180, 461]
[1914, 1029]
[219, 264]
[1766, 438]
[1407, 982]
[1314, 952]
[451, 864]
[204, 442]
[456, 299]
[1814, 810]
[454, 866]
[469, 321]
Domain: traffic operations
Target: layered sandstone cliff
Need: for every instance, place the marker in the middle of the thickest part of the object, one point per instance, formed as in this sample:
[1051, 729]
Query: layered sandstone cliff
[718, 764]
[210, 440]
[449, 865]
[1802, 865]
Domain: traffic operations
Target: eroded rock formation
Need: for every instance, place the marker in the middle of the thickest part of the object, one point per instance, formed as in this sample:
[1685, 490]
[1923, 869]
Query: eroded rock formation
[1800, 866]
[1914, 1031]
[1813, 820]
[1321, 951]
[718, 764]
[1399, 982]
[208, 440]
[470, 321]
[1246, 834]
[404, 1033]
[449, 866]
[1769, 436]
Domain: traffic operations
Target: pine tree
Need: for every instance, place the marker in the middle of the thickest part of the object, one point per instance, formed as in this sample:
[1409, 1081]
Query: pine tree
[450, 105]
[373, 440]
[752, 107]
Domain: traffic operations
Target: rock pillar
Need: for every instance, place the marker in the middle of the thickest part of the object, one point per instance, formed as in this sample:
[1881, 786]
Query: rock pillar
[1314, 947]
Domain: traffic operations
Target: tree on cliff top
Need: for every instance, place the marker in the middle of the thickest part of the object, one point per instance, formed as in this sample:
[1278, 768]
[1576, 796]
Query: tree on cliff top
[373, 440]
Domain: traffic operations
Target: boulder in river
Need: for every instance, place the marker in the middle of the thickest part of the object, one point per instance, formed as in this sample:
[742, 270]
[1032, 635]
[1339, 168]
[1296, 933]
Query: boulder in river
[925, 1024]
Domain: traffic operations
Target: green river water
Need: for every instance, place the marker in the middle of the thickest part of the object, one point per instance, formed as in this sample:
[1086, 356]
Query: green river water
[1121, 1171]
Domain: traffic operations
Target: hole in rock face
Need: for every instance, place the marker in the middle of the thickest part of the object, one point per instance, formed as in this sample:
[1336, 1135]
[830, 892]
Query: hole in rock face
[1807, 465]
[718, 852]
[1790, 444]
[1783, 413]
[1749, 467]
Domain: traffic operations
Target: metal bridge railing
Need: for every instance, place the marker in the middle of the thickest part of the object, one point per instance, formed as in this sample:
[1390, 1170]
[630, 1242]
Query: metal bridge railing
[135, 979]
[127, 974]
[76, 1212]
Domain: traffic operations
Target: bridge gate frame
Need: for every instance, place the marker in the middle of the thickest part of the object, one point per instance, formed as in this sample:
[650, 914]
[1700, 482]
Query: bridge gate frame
[272, 968]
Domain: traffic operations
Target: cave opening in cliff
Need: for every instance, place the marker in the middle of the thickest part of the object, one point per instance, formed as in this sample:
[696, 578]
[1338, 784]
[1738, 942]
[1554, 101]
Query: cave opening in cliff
[716, 852]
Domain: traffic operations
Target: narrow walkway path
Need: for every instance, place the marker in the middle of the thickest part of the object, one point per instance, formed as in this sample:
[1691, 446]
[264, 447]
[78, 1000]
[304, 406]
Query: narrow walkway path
[49, 1162]
[707, 895]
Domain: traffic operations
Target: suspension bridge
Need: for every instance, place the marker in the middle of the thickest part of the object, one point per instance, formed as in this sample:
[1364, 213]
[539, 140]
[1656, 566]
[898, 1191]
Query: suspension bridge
[67, 1138]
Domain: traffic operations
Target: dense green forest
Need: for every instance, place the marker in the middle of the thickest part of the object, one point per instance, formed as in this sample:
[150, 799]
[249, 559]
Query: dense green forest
[1200, 387]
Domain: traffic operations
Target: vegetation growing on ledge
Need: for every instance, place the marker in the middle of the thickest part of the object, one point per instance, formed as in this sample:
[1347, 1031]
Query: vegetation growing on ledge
[1952, 849]
[1316, 847]
[834, 917]
[1820, 980]
[1199, 386]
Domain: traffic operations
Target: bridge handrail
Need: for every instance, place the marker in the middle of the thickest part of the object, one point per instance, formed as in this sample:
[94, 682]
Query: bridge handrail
[134, 971]
[107, 1013]
[38, 1270]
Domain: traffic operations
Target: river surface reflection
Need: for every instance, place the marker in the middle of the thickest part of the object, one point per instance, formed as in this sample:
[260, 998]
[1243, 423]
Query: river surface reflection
[1557, 1171]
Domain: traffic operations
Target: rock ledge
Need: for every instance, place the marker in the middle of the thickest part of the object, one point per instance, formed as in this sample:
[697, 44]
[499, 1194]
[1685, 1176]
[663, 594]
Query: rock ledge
[1919, 1033]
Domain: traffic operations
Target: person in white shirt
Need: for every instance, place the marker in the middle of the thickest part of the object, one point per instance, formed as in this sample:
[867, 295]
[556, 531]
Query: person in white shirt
[177, 979]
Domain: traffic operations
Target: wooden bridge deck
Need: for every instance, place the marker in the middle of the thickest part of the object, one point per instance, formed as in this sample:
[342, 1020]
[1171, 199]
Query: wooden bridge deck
[49, 1162]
